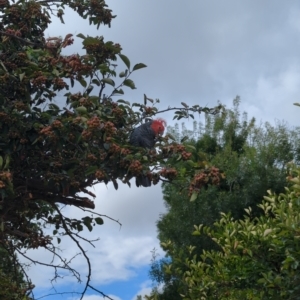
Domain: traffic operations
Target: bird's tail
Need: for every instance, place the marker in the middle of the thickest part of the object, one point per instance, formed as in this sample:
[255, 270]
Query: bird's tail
[142, 180]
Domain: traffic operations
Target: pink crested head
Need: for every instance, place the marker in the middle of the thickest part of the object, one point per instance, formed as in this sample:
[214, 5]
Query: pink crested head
[158, 126]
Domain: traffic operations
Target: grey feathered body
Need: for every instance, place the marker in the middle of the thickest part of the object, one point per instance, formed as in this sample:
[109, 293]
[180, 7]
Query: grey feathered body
[143, 136]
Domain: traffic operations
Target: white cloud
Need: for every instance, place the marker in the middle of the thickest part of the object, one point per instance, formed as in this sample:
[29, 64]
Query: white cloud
[145, 289]
[111, 296]
[276, 94]
[120, 251]
[115, 258]
[97, 297]
[118, 259]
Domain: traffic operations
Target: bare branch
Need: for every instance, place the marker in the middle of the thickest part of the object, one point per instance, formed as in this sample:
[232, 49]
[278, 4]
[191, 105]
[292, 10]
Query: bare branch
[57, 293]
[80, 247]
[191, 109]
[65, 267]
[96, 290]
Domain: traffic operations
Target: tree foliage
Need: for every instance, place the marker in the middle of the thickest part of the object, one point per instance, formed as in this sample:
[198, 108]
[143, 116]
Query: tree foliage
[252, 159]
[13, 284]
[50, 155]
[258, 257]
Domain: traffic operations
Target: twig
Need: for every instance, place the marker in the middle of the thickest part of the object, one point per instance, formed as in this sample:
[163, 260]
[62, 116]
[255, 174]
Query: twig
[69, 233]
[67, 267]
[62, 293]
[196, 110]
[105, 216]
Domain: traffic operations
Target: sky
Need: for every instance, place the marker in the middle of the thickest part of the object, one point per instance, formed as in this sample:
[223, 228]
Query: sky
[198, 52]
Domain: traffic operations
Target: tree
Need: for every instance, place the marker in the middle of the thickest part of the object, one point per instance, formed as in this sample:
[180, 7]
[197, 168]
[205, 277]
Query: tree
[258, 257]
[49, 153]
[252, 160]
[13, 284]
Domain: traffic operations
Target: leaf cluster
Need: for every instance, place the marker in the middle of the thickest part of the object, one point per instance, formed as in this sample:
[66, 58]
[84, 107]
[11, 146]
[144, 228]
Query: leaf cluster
[258, 257]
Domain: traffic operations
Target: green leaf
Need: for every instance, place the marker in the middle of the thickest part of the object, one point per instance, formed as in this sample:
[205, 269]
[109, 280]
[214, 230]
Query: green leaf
[108, 81]
[21, 76]
[7, 161]
[60, 16]
[190, 147]
[123, 74]
[196, 232]
[89, 89]
[119, 91]
[99, 221]
[72, 82]
[115, 183]
[191, 163]
[80, 35]
[123, 101]
[194, 196]
[54, 106]
[184, 104]
[91, 170]
[88, 225]
[129, 83]
[55, 72]
[138, 66]
[87, 221]
[136, 104]
[125, 60]
[82, 82]
[96, 81]
[267, 231]
[184, 139]
[81, 109]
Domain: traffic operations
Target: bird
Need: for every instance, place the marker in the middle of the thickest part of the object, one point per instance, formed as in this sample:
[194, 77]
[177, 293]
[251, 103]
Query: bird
[145, 136]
